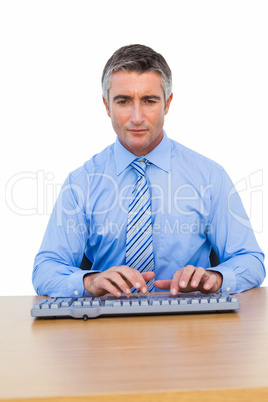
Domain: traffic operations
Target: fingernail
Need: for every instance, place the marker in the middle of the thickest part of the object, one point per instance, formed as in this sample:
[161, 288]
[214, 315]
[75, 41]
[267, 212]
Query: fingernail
[138, 285]
[127, 290]
[173, 291]
[144, 290]
[183, 284]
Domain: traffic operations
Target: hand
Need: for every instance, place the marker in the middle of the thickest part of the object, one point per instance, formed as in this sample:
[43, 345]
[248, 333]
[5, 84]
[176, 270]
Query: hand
[116, 280]
[192, 279]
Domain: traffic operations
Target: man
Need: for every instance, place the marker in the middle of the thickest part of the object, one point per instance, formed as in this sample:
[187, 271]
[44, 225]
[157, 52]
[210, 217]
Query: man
[146, 210]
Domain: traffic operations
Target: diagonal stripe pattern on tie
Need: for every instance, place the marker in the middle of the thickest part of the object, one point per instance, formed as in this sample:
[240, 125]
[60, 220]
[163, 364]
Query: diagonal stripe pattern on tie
[139, 241]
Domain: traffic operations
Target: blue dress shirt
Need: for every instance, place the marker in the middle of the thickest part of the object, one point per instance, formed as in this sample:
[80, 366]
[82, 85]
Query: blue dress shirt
[194, 206]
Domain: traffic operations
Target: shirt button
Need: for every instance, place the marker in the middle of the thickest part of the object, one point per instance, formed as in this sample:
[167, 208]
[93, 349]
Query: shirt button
[227, 290]
[75, 292]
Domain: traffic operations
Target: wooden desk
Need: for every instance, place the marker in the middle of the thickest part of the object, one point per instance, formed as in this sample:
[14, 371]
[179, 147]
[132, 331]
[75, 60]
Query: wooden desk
[211, 357]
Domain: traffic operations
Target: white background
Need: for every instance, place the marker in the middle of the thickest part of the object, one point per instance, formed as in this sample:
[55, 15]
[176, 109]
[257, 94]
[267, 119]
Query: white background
[52, 118]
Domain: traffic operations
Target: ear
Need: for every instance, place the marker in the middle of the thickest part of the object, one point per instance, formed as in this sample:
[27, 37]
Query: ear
[168, 103]
[106, 106]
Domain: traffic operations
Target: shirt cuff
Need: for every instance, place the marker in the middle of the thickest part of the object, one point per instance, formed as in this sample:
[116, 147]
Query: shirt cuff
[228, 279]
[76, 284]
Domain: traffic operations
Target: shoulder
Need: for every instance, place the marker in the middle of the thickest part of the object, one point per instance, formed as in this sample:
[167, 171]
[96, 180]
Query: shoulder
[195, 168]
[88, 176]
[98, 163]
[181, 154]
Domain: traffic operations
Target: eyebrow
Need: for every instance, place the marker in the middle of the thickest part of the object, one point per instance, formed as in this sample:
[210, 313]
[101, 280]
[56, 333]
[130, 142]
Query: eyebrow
[127, 97]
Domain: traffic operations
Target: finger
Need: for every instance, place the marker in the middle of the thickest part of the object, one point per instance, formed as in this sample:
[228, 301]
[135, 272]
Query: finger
[136, 278]
[147, 276]
[174, 286]
[109, 281]
[106, 286]
[210, 282]
[163, 284]
[130, 276]
[186, 276]
[119, 281]
[198, 275]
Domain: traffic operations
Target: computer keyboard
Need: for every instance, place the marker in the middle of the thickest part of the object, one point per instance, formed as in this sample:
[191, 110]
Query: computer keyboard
[138, 304]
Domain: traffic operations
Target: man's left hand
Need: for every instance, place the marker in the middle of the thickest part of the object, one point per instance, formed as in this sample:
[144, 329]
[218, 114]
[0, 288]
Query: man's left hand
[191, 279]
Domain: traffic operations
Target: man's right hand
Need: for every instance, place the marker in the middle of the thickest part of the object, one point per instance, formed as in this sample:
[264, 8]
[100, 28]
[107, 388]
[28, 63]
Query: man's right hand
[116, 280]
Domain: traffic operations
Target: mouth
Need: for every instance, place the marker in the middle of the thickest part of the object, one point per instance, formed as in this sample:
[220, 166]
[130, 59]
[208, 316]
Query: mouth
[138, 130]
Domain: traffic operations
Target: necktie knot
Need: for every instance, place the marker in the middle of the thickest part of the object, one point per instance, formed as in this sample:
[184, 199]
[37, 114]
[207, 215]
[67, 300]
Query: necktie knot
[140, 165]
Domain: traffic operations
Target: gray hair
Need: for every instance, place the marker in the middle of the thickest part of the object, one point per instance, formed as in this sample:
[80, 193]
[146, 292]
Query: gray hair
[137, 58]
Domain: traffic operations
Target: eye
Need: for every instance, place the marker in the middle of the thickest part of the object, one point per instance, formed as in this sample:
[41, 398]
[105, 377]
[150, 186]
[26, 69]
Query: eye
[150, 101]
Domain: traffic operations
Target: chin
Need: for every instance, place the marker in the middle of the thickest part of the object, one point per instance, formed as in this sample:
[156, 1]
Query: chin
[139, 148]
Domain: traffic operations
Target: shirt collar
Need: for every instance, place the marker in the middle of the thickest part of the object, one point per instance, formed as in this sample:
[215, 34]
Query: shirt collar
[159, 156]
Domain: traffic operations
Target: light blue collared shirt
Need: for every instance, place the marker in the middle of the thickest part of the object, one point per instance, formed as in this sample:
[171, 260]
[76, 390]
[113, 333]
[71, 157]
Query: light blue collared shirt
[194, 207]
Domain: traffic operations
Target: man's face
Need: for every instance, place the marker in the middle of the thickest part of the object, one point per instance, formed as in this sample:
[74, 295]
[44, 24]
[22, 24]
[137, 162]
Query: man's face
[137, 110]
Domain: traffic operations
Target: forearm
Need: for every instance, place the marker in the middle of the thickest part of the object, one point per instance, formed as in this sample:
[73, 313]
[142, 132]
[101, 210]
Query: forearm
[56, 279]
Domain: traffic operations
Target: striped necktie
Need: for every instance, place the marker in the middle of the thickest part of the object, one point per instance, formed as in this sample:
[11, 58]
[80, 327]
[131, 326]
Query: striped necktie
[139, 242]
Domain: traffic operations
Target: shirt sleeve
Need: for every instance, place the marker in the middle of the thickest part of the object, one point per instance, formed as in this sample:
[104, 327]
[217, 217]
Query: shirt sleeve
[231, 235]
[56, 270]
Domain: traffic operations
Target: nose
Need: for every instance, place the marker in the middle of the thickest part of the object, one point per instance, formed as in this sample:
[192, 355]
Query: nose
[136, 114]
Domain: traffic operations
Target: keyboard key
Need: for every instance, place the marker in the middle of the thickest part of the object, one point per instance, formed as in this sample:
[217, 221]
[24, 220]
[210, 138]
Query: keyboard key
[165, 303]
[55, 305]
[45, 305]
[86, 302]
[213, 301]
[233, 299]
[66, 302]
[222, 299]
[144, 303]
[109, 303]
